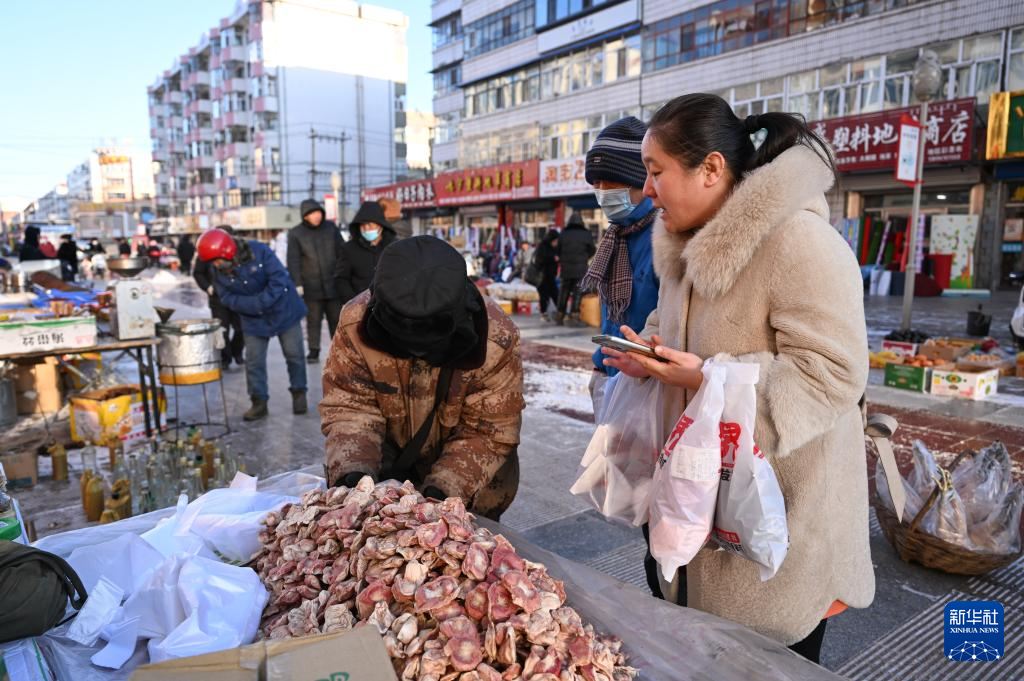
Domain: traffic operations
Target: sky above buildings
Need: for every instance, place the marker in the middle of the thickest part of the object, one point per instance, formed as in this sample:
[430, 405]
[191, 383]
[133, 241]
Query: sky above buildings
[73, 75]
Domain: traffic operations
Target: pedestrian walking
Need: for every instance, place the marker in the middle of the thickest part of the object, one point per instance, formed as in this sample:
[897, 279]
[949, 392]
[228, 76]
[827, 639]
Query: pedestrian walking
[30, 247]
[575, 249]
[314, 250]
[545, 259]
[230, 321]
[623, 270]
[751, 270]
[370, 233]
[124, 249]
[68, 256]
[250, 280]
[423, 346]
[186, 251]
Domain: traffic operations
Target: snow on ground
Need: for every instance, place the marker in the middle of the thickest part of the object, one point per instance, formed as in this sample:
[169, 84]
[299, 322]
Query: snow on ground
[557, 389]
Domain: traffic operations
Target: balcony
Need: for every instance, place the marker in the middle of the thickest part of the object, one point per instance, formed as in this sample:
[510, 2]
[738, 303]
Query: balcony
[255, 31]
[236, 85]
[225, 151]
[261, 104]
[443, 8]
[196, 78]
[173, 97]
[202, 106]
[234, 53]
[268, 174]
[202, 189]
[241, 118]
[256, 69]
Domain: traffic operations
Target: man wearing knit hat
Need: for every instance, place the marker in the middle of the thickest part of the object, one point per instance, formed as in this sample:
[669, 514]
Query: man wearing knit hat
[622, 271]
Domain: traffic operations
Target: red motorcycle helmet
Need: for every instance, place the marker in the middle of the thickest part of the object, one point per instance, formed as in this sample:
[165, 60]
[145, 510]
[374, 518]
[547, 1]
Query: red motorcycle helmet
[216, 243]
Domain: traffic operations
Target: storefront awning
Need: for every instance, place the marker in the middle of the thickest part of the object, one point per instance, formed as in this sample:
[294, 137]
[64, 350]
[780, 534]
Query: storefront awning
[934, 178]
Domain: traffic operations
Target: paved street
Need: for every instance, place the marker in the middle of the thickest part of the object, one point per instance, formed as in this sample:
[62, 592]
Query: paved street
[898, 637]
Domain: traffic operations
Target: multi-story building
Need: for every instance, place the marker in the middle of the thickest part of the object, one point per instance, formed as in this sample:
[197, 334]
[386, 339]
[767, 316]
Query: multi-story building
[525, 86]
[53, 205]
[258, 115]
[111, 177]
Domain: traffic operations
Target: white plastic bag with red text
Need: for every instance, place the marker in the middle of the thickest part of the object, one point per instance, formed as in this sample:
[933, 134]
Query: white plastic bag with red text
[750, 518]
[682, 502]
[619, 461]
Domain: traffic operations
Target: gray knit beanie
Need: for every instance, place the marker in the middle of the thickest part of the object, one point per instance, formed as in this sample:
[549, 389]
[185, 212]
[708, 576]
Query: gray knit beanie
[615, 155]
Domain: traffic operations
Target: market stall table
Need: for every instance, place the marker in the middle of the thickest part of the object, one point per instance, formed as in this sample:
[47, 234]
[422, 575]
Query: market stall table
[141, 349]
[662, 641]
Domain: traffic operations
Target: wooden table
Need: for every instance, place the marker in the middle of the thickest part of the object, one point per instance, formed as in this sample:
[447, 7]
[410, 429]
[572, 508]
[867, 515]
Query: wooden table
[139, 348]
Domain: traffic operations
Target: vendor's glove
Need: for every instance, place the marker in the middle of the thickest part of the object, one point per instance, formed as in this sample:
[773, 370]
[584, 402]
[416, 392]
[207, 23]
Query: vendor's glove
[431, 492]
[353, 478]
[299, 290]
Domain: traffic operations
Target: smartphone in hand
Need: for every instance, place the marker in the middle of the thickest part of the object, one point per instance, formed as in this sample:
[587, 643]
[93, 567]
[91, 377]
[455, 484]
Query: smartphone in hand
[623, 345]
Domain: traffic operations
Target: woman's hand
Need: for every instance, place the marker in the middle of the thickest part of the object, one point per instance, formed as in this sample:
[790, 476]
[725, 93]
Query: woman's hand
[680, 368]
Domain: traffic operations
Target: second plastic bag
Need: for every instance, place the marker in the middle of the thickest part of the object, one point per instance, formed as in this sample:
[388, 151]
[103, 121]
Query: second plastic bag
[750, 518]
[619, 462]
[682, 502]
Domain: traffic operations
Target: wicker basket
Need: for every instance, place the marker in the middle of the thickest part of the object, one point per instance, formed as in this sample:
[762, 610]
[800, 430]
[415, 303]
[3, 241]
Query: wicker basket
[915, 546]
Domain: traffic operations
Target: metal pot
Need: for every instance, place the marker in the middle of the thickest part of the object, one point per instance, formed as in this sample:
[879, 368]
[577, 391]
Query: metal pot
[189, 351]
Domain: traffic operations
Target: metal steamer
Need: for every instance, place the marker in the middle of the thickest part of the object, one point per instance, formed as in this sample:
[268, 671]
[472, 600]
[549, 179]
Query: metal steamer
[189, 355]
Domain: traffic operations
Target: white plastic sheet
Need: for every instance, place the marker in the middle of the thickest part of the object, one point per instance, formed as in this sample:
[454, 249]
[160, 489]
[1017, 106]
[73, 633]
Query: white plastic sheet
[618, 465]
[685, 487]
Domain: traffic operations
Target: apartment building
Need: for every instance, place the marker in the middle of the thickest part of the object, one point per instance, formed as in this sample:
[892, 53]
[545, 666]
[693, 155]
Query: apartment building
[270, 103]
[525, 85]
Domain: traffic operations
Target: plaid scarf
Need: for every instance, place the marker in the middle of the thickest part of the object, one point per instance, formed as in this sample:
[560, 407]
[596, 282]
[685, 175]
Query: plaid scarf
[610, 272]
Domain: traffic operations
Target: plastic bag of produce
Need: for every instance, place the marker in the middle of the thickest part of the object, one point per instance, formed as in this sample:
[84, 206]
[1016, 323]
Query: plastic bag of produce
[750, 518]
[1000, 532]
[984, 481]
[923, 476]
[619, 462]
[685, 487]
[947, 518]
[913, 499]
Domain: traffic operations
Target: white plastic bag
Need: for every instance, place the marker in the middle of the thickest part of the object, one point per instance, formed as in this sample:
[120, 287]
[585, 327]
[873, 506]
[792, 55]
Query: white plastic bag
[620, 459]
[750, 518]
[682, 500]
[925, 473]
[1000, 532]
[983, 482]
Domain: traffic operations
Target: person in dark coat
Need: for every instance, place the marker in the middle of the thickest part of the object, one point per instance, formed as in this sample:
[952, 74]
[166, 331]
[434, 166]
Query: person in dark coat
[124, 249]
[250, 280]
[230, 321]
[575, 249]
[186, 250]
[30, 249]
[68, 256]
[370, 233]
[314, 248]
[545, 259]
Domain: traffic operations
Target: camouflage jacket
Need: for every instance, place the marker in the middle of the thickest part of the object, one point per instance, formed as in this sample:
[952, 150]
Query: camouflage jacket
[370, 395]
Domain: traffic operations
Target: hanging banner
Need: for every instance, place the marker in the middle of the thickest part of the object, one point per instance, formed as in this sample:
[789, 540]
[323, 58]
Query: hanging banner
[564, 177]
[910, 145]
[871, 141]
[413, 194]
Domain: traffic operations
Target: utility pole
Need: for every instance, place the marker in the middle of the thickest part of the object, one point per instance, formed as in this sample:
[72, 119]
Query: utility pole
[341, 185]
[312, 162]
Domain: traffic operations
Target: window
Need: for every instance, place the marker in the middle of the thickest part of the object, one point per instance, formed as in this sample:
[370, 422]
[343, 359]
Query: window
[551, 12]
[446, 81]
[447, 30]
[1015, 67]
[501, 28]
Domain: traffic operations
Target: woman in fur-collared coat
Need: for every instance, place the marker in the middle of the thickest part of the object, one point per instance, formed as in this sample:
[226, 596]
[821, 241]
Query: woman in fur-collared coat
[751, 268]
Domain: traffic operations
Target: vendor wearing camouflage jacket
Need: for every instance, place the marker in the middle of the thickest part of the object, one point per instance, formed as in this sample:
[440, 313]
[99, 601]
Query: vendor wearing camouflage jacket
[420, 316]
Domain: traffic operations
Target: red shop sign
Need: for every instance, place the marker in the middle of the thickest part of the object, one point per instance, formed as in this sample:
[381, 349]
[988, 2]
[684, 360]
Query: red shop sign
[871, 141]
[413, 194]
[503, 182]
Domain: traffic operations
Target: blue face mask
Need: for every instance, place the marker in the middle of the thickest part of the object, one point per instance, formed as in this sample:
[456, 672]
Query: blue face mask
[371, 235]
[615, 203]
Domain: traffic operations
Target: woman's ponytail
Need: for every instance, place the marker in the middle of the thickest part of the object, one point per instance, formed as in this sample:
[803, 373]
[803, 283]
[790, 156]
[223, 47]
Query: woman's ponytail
[692, 126]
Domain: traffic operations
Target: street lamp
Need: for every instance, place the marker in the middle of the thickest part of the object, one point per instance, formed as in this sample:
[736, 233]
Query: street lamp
[926, 81]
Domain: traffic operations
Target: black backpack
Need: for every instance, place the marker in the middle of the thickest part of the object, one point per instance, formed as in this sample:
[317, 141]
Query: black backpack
[34, 590]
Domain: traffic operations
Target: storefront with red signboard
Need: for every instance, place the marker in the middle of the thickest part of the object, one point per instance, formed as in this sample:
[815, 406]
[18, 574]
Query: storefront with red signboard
[877, 207]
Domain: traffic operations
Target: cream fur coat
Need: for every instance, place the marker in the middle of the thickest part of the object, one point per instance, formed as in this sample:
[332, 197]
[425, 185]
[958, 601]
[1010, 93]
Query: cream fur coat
[768, 280]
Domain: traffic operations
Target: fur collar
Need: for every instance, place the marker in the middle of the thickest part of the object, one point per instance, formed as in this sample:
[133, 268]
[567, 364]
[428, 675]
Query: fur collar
[715, 256]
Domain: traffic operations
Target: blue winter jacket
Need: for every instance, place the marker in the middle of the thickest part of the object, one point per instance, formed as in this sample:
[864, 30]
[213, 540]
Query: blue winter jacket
[260, 290]
[645, 284]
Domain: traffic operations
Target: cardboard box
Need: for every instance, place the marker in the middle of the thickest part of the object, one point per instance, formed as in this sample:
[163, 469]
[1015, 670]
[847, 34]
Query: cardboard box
[906, 377]
[901, 349]
[944, 350]
[40, 376]
[99, 415]
[355, 655]
[21, 469]
[968, 385]
[65, 333]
